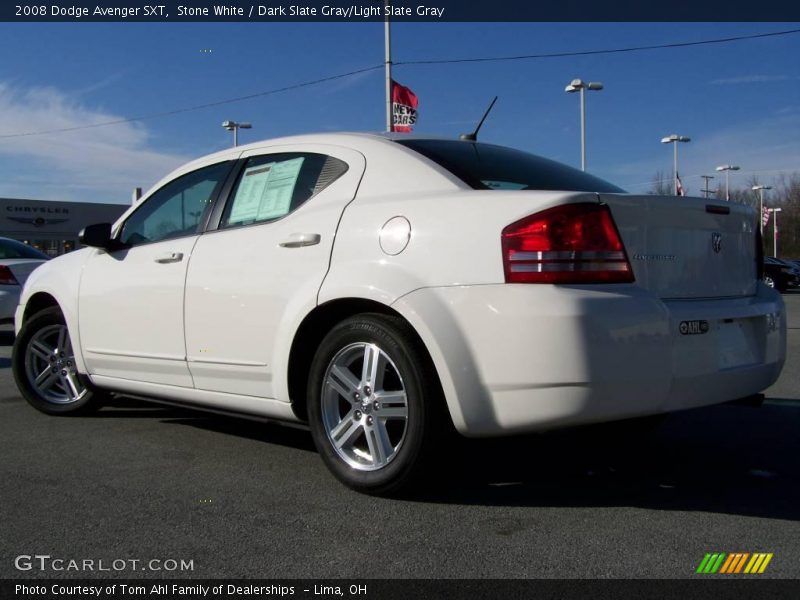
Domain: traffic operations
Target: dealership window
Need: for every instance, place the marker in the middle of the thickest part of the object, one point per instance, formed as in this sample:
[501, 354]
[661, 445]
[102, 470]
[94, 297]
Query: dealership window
[177, 209]
[52, 247]
[271, 186]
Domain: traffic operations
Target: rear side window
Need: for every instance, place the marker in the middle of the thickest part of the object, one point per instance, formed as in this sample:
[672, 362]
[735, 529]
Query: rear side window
[271, 186]
[490, 167]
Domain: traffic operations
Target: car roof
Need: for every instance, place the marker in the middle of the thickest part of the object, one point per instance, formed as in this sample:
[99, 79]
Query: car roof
[349, 138]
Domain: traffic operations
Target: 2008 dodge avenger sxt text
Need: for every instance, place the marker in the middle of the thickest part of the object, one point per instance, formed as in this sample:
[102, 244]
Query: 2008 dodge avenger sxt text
[381, 287]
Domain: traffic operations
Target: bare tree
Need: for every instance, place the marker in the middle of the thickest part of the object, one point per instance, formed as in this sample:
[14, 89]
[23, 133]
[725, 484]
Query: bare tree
[662, 185]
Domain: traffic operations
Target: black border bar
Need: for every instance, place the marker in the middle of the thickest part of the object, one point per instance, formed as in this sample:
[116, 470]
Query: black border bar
[706, 587]
[402, 10]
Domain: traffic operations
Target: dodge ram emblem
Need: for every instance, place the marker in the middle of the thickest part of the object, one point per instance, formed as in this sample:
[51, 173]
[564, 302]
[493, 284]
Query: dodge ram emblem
[716, 242]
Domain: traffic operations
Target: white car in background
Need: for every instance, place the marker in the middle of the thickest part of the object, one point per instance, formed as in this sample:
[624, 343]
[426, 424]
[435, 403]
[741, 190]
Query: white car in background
[17, 260]
[386, 288]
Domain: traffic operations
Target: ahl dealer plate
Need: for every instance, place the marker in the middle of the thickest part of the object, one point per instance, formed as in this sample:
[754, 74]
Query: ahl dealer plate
[693, 327]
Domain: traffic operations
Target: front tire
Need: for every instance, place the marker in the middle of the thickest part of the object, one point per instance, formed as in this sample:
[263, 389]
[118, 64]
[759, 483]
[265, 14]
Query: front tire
[44, 367]
[374, 404]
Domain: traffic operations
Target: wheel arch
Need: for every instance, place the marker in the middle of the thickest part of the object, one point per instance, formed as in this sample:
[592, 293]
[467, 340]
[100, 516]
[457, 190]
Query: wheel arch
[315, 326]
[37, 303]
[43, 299]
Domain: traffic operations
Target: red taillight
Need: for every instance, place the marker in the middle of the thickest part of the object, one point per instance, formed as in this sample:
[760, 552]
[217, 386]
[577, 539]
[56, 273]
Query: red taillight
[7, 277]
[573, 243]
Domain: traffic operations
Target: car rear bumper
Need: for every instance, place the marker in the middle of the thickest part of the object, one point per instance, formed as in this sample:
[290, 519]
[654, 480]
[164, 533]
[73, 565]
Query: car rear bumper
[516, 358]
[9, 299]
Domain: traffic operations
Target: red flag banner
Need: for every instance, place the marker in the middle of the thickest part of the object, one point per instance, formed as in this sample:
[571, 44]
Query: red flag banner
[681, 191]
[404, 108]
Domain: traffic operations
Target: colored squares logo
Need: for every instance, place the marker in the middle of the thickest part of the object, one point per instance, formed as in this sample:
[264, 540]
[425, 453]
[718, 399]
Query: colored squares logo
[734, 563]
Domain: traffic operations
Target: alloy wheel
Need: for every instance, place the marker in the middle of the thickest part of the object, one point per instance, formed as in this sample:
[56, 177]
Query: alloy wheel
[50, 366]
[364, 406]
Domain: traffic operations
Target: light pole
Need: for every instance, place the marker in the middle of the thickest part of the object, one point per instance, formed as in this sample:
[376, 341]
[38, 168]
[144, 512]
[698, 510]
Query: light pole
[707, 177]
[727, 169]
[235, 127]
[674, 139]
[760, 189]
[387, 66]
[775, 212]
[577, 85]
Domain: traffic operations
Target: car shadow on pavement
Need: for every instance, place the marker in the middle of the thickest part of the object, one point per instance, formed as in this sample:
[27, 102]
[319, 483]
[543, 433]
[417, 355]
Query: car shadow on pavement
[725, 459]
[258, 430]
[6, 337]
[122, 407]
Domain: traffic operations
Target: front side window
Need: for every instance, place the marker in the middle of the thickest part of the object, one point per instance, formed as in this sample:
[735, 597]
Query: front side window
[273, 185]
[177, 209]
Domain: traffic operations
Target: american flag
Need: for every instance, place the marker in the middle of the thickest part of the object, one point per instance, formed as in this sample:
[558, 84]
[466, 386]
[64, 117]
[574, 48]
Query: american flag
[765, 217]
[679, 186]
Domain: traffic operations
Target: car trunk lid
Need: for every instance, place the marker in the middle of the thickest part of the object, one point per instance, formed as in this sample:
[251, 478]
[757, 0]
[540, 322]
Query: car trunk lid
[687, 247]
[21, 268]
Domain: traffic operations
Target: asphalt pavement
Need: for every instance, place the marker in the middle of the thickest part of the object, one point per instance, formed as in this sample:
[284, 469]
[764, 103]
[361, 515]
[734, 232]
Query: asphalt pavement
[139, 482]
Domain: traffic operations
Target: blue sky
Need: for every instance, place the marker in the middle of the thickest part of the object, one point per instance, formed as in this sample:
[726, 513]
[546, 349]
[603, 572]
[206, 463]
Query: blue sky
[739, 102]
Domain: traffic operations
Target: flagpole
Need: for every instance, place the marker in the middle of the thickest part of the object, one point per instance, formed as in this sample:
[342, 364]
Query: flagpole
[388, 64]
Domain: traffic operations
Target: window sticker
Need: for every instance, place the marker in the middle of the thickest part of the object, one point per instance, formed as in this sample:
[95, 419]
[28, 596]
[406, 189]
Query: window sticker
[265, 191]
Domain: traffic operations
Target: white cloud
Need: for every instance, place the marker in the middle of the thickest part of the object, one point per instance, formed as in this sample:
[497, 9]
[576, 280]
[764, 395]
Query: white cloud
[763, 148]
[97, 164]
[102, 83]
[344, 83]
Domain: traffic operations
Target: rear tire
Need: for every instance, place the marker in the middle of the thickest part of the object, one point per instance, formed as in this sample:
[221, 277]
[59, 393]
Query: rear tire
[375, 405]
[44, 367]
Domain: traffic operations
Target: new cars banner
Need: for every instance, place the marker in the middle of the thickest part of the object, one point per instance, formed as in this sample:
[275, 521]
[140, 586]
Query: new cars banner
[404, 108]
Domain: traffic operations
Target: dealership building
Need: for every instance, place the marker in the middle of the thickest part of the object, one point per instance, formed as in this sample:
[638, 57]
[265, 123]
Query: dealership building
[52, 226]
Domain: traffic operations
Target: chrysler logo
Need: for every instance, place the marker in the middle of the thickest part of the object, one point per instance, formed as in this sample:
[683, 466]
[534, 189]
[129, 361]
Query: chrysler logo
[716, 242]
[37, 221]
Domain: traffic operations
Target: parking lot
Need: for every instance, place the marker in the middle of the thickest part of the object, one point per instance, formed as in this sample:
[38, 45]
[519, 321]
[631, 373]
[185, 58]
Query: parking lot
[245, 499]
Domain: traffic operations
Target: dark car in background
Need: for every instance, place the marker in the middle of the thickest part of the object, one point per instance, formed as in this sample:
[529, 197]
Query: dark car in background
[780, 274]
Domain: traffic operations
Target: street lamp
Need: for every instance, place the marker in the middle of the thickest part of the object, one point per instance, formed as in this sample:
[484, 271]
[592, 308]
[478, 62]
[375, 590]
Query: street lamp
[235, 127]
[760, 189]
[727, 169]
[577, 85]
[674, 139]
[775, 231]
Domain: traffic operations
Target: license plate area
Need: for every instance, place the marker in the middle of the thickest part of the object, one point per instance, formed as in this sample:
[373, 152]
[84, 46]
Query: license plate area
[738, 343]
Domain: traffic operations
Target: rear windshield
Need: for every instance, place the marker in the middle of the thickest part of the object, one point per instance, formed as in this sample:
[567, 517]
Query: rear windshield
[489, 167]
[15, 249]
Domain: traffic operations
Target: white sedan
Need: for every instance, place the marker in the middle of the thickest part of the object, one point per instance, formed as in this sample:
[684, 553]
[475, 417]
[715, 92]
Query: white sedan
[386, 289]
[17, 260]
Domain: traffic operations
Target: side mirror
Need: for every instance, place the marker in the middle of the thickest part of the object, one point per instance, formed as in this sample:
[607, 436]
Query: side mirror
[97, 236]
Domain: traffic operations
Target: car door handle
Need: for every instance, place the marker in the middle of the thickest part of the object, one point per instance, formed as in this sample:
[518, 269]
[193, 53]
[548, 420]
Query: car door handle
[169, 257]
[298, 240]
